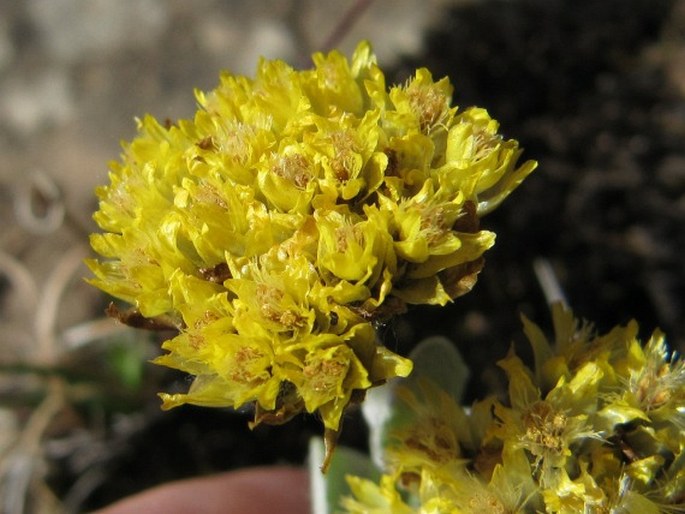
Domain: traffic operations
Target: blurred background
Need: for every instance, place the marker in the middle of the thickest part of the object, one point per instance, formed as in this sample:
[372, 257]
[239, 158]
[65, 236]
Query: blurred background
[593, 90]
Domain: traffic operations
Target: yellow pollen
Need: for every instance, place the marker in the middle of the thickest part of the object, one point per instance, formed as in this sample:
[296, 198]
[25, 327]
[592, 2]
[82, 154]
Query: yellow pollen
[544, 426]
[294, 168]
[324, 375]
[429, 104]
[433, 224]
[483, 502]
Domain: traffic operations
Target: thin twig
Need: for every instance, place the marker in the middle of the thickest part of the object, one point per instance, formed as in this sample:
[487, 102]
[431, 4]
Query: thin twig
[87, 332]
[345, 24]
[296, 18]
[83, 488]
[21, 280]
[50, 301]
[21, 464]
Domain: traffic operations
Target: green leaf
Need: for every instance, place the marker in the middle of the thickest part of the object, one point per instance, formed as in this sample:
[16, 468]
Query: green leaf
[126, 357]
[439, 360]
[434, 358]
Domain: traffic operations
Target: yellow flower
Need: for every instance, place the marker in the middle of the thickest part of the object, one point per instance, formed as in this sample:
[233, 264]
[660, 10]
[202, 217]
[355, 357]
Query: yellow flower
[432, 438]
[274, 296]
[293, 211]
[287, 178]
[327, 375]
[596, 426]
[612, 410]
[509, 488]
[422, 105]
[370, 498]
[657, 379]
[546, 428]
[349, 154]
[479, 162]
[354, 248]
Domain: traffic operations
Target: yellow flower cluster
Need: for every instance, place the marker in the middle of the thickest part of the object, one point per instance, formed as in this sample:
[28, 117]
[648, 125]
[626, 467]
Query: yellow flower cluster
[598, 425]
[290, 214]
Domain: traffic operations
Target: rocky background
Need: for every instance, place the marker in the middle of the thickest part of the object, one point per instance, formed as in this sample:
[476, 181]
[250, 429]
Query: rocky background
[593, 90]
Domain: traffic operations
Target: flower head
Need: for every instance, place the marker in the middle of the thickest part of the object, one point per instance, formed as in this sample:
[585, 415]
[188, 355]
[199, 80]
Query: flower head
[294, 210]
[595, 426]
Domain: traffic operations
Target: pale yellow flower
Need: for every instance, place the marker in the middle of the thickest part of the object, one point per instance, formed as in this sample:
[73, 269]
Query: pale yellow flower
[595, 426]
